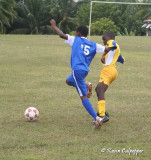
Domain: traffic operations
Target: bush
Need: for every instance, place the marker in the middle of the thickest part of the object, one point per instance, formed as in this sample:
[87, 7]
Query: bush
[102, 25]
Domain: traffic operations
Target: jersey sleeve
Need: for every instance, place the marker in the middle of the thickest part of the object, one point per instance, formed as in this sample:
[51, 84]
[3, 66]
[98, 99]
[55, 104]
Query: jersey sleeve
[99, 48]
[70, 40]
[121, 59]
[111, 43]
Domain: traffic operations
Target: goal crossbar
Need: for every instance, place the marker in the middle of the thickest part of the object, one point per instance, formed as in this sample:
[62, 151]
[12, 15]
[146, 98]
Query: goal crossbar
[91, 3]
[121, 2]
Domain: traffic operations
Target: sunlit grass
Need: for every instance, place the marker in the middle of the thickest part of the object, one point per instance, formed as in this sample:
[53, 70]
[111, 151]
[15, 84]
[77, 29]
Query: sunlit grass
[33, 70]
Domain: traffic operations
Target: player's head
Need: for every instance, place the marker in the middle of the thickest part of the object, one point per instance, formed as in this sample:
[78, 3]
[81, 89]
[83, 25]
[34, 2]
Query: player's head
[108, 36]
[82, 31]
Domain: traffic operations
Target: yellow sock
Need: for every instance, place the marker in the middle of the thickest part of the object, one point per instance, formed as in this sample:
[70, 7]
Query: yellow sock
[101, 107]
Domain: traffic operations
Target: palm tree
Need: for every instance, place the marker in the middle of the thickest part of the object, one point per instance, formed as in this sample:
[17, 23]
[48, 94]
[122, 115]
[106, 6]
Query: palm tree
[7, 14]
[33, 17]
[148, 8]
[65, 12]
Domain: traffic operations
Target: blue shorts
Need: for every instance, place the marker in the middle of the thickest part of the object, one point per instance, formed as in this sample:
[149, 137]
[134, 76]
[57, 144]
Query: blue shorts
[76, 79]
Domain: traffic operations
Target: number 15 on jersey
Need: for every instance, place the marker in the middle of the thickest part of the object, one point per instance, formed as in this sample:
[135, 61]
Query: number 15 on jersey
[85, 49]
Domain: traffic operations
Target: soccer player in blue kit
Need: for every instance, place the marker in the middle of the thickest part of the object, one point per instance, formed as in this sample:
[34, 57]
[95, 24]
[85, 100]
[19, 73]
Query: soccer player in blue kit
[82, 53]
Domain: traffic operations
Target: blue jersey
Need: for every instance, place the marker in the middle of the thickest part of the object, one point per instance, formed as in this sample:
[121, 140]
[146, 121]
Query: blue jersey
[83, 51]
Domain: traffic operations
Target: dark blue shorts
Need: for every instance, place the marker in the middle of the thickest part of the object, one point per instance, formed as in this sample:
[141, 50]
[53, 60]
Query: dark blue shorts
[76, 79]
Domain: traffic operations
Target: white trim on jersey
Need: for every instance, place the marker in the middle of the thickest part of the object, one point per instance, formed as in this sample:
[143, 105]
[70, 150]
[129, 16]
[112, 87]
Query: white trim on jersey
[109, 58]
[99, 48]
[70, 40]
[79, 90]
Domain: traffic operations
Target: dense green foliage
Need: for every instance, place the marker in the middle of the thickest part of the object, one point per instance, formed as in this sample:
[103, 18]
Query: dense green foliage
[102, 25]
[125, 17]
[7, 14]
[32, 16]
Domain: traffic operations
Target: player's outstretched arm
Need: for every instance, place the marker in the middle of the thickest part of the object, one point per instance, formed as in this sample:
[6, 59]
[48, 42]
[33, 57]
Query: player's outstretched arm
[103, 58]
[57, 30]
[107, 49]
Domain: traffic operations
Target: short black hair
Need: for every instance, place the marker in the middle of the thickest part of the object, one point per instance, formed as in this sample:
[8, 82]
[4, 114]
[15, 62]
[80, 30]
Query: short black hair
[83, 30]
[109, 34]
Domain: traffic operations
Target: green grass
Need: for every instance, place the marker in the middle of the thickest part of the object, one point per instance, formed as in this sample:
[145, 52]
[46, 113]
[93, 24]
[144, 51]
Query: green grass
[33, 70]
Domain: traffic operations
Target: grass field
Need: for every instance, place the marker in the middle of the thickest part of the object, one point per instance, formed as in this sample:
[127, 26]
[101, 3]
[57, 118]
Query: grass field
[33, 70]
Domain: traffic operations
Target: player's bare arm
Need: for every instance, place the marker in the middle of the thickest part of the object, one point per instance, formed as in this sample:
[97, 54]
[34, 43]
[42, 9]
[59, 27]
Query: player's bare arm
[103, 58]
[105, 52]
[57, 30]
[107, 49]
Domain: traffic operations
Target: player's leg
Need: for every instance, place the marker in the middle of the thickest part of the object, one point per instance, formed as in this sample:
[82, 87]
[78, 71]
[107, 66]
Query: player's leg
[70, 81]
[101, 88]
[76, 79]
[97, 119]
[79, 77]
[100, 91]
[107, 76]
[89, 89]
[87, 105]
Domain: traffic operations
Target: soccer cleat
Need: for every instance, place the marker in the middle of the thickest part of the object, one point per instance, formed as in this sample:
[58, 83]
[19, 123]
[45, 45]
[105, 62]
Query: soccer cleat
[98, 122]
[105, 118]
[106, 113]
[89, 88]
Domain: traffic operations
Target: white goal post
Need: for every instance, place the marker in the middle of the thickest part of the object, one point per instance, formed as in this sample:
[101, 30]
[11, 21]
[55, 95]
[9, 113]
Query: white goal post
[91, 3]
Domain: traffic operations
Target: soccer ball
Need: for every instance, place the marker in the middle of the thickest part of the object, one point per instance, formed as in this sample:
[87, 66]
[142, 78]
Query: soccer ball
[31, 114]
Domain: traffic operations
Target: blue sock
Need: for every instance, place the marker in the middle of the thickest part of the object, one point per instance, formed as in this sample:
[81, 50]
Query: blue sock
[86, 103]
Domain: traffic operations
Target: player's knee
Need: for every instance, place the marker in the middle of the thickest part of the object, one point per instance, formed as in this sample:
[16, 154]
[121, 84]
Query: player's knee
[96, 89]
[68, 83]
[83, 97]
[99, 89]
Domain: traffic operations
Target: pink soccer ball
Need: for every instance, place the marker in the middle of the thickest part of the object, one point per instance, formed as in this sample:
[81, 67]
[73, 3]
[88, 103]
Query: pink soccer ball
[31, 114]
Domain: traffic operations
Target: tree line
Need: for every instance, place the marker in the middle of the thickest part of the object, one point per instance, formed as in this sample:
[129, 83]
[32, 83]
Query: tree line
[32, 16]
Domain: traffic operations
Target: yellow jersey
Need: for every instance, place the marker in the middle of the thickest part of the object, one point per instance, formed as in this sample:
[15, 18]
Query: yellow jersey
[112, 56]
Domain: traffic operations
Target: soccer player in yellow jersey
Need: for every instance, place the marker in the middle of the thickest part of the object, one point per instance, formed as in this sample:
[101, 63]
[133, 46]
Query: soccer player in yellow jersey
[109, 73]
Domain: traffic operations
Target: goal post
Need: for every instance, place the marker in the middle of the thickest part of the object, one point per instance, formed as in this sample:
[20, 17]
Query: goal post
[91, 4]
